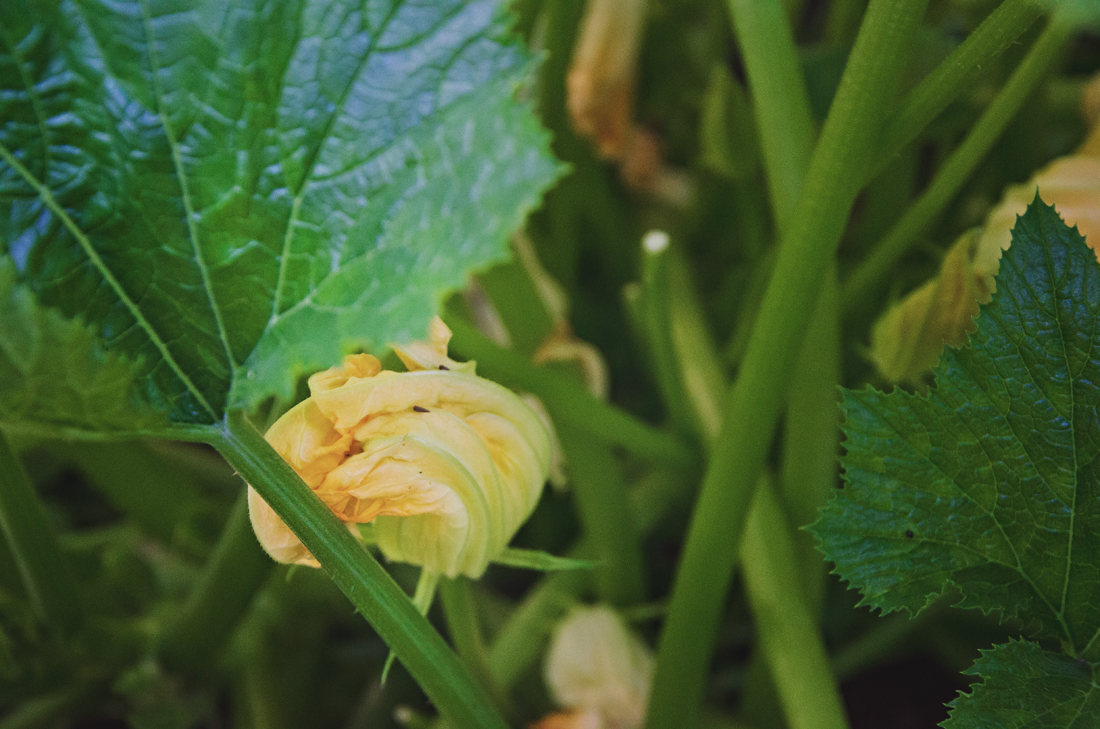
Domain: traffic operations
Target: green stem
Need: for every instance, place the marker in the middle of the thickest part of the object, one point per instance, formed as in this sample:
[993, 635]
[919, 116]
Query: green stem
[786, 626]
[567, 400]
[754, 403]
[604, 508]
[780, 101]
[233, 575]
[369, 587]
[33, 543]
[460, 611]
[697, 359]
[521, 639]
[47, 710]
[810, 436]
[656, 303]
[955, 75]
[863, 281]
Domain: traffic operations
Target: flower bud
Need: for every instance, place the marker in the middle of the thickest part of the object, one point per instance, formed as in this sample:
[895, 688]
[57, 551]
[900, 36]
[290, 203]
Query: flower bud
[906, 342]
[596, 666]
[447, 465]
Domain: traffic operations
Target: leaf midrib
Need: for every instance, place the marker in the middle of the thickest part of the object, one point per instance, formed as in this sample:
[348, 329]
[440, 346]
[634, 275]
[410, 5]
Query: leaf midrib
[86, 245]
[181, 177]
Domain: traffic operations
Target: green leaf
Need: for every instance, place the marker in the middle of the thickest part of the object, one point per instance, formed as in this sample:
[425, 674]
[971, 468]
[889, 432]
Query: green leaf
[1027, 687]
[53, 370]
[536, 559]
[234, 193]
[991, 482]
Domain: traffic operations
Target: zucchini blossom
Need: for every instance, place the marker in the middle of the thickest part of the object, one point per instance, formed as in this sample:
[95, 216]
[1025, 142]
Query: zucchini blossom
[445, 464]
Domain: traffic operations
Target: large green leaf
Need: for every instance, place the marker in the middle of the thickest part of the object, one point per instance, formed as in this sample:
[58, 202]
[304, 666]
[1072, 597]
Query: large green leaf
[234, 192]
[55, 373]
[1027, 687]
[991, 482]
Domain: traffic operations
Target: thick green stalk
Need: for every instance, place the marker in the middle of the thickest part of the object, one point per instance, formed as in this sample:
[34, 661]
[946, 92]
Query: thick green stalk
[604, 508]
[811, 437]
[958, 167]
[567, 400]
[33, 543]
[786, 626]
[232, 577]
[754, 403]
[955, 75]
[810, 454]
[370, 589]
[464, 625]
[779, 99]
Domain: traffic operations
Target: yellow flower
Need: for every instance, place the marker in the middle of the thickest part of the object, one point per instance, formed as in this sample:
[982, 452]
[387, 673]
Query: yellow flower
[596, 668]
[447, 465]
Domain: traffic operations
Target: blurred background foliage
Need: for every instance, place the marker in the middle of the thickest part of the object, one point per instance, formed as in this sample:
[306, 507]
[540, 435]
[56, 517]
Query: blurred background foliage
[141, 523]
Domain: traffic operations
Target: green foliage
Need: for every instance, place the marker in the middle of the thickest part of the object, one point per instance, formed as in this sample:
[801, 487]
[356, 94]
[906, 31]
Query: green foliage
[237, 193]
[53, 370]
[1026, 686]
[990, 483]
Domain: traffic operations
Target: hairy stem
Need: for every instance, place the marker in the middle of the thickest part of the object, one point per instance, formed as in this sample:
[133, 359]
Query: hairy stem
[955, 74]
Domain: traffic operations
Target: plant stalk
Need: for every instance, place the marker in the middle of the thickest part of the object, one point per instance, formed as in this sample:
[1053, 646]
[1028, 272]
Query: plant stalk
[863, 281]
[955, 74]
[781, 104]
[754, 403]
[567, 400]
[786, 626]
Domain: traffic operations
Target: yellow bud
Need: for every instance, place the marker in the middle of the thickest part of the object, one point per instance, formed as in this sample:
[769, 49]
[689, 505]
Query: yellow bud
[906, 342]
[447, 465]
[595, 666]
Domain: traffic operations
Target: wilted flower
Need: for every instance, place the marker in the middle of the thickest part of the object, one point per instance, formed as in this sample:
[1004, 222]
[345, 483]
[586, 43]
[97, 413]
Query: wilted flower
[447, 465]
[603, 73]
[596, 668]
[907, 340]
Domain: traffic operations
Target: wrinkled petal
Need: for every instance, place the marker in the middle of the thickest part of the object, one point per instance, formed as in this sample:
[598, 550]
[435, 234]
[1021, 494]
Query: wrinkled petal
[306, 440]
[445, 464]
[432, 354]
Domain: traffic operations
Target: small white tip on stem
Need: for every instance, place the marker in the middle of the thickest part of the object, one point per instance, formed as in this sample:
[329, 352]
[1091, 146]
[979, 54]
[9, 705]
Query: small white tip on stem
[655, 241]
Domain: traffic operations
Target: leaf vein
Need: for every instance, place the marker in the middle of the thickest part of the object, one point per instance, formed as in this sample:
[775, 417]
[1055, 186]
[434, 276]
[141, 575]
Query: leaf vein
[51, 202]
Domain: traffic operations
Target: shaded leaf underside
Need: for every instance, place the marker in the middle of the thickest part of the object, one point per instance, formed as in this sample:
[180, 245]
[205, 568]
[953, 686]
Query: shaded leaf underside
[237, 192]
